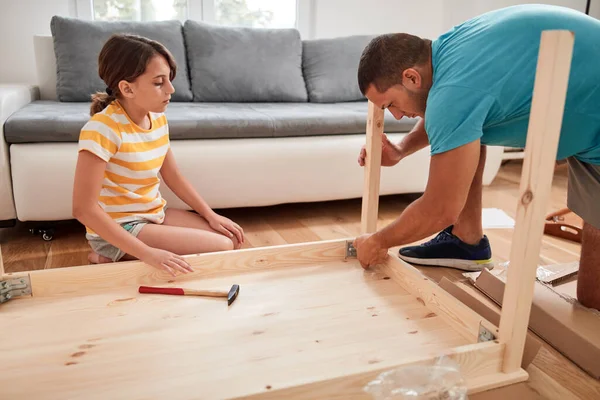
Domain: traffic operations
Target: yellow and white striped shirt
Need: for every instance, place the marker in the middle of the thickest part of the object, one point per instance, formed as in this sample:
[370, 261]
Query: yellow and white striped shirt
[134, 157]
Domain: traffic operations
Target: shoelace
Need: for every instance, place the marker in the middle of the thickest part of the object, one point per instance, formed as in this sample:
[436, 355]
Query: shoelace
[441, 237]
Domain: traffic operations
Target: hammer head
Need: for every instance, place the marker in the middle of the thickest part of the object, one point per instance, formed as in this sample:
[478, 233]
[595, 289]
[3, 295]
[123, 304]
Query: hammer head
[233, 293]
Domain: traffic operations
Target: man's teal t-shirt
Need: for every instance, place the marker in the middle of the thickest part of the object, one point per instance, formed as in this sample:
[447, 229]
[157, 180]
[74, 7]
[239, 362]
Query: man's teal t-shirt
[483, 77]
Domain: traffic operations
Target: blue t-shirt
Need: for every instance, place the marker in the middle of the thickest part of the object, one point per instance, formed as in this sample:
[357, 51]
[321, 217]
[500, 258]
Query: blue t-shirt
[483, 77]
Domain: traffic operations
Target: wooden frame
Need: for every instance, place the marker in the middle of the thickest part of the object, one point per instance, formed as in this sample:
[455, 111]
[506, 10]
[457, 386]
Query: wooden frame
[124, 345]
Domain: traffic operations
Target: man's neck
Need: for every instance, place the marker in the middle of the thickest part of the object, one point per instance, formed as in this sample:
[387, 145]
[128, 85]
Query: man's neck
[427, 70]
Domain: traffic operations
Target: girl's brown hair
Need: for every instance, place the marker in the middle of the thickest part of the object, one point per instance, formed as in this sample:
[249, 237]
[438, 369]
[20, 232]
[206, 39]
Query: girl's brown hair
[125, 57]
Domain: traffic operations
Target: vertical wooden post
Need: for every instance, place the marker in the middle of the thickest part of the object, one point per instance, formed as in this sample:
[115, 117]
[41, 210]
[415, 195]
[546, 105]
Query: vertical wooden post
[370, 202]
[549, 93]
[2, 270]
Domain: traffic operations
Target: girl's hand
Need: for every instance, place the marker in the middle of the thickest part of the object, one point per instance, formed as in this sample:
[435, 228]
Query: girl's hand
[227, 227]
[167, 261]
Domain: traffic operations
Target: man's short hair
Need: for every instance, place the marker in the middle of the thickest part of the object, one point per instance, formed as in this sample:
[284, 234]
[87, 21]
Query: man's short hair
[387, 56]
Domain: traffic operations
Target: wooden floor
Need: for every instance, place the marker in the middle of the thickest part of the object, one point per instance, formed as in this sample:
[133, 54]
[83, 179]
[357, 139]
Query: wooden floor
[551, 375]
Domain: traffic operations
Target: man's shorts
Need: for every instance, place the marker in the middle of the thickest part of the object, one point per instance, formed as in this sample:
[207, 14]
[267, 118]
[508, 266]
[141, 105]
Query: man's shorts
[584, 191]
[103, 248]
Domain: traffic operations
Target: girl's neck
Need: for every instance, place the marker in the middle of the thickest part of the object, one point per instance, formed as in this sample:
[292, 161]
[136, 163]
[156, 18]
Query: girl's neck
[138, 115]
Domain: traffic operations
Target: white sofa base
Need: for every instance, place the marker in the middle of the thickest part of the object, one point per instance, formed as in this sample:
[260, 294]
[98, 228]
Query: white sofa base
[12, 98]
[230, 172]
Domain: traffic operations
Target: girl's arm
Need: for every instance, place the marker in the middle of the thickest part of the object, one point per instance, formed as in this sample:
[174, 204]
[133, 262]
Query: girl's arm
[178, 183]
[89, 175]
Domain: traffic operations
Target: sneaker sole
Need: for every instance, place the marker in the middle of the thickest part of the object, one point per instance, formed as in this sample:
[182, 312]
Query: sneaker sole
[465, 265]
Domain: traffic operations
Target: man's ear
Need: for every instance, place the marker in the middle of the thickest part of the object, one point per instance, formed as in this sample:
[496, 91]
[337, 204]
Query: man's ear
[411, 78]
[125, 89]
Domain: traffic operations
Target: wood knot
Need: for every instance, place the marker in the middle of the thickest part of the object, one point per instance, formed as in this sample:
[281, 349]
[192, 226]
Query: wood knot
[527, 197]
[378, 124]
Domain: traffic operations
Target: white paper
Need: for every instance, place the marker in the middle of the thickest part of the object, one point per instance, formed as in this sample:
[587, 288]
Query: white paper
[495, 218]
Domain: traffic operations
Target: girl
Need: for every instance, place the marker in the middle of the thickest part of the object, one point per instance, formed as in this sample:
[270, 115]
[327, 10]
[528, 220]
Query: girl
[122, 149]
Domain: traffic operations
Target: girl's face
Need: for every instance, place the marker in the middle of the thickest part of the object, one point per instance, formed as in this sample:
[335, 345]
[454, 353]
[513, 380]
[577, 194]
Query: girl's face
[152, 90]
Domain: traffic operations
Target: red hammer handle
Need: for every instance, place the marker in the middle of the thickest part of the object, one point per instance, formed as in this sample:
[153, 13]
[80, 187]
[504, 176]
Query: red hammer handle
[161, 290]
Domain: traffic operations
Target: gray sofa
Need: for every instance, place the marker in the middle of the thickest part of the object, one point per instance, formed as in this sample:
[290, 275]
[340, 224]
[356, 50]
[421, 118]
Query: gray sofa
[259, 117]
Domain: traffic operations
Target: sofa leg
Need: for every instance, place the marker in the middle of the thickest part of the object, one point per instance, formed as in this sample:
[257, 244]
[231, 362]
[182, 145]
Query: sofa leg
[46, 233]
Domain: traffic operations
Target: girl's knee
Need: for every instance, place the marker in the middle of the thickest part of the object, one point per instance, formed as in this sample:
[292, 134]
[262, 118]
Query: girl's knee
[227, 244]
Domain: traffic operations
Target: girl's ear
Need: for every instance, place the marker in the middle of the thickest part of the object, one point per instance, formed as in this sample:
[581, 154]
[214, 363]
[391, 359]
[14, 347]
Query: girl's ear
[125, 89]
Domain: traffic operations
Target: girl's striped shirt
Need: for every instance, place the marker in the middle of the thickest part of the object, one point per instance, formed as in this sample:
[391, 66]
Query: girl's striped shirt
[134, 158]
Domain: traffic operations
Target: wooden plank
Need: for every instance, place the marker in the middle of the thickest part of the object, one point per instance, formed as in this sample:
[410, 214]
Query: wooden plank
[79, 280]
[480, 366]
[462, 318]
[370, 204]
[545, 122]
[290, 326]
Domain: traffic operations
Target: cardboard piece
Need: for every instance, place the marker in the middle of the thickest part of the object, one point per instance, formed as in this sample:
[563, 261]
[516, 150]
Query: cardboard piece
[532, 344]
[557, 273]
[570, 328]
[564, 224]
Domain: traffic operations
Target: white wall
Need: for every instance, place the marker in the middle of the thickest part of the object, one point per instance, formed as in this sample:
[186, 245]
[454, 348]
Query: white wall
[347, 17]
[20, 20]
[426, 18]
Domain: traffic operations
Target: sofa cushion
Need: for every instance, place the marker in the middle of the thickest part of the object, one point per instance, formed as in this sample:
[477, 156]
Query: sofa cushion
[330, 68]
[231, 64]
[51, 121]
[77, 44]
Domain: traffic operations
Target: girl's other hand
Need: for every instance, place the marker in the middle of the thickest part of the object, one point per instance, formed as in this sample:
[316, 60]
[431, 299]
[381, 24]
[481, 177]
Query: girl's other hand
[227, 227]
[167, 261]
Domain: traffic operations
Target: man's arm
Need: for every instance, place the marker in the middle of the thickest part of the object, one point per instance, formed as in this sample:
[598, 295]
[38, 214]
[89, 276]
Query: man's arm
[450, 177]
[415, 140]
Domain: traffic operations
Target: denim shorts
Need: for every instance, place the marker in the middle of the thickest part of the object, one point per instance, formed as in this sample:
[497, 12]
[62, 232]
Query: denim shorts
[105, 249]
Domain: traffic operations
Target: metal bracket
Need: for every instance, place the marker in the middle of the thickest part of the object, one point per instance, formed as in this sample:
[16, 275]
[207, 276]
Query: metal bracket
[14, 287]
[350, 250]
[484, 334]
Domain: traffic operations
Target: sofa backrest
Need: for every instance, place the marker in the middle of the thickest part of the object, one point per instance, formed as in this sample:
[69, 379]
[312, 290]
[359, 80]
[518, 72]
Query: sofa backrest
[330, 68]
[45, 66]
[230, 64]
[215, 63]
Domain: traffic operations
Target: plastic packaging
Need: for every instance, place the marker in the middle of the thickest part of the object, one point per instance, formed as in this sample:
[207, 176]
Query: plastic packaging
[441, 381]
[550, 273]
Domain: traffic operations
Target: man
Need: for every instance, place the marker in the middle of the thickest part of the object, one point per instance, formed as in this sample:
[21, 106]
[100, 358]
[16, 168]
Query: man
[473, 87]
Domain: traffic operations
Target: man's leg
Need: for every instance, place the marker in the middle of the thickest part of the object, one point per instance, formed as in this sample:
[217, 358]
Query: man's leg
[588, 279]
[468, 227]
[463, 245]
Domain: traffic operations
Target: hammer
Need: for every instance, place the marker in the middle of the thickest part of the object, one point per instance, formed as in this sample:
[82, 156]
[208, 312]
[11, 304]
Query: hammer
[231, 294]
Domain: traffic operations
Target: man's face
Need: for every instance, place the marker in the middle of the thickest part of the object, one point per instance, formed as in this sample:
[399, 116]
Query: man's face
[403, 100]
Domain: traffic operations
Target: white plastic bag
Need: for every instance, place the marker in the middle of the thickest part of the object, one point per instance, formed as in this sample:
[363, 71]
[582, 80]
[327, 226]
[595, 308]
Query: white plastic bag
[441, 381]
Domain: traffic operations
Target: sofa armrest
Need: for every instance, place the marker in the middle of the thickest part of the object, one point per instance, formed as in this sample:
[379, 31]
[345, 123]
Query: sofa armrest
[12, 98]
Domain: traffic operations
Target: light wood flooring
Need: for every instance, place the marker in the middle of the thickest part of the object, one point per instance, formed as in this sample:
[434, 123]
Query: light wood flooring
[551, 375]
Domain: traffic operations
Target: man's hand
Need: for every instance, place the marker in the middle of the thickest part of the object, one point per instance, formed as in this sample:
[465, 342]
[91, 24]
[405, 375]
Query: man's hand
[390, 153]
[369, 250]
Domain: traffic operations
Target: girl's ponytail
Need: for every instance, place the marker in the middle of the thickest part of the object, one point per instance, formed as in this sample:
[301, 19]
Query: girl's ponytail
[101, 100]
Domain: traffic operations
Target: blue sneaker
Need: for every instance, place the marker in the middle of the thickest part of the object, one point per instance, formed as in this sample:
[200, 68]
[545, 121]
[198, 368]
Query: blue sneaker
[447, 250]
